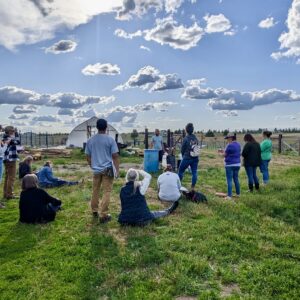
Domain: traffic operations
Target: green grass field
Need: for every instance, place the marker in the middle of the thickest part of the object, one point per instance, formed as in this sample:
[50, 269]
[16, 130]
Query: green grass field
[244, 249]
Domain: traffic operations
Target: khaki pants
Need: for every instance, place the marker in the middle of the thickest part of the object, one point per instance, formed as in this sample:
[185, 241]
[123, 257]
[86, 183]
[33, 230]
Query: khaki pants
[107, 183]
[9, 178]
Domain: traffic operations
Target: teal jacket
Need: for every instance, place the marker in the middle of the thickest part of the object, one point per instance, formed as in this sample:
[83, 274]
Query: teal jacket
[266, 149]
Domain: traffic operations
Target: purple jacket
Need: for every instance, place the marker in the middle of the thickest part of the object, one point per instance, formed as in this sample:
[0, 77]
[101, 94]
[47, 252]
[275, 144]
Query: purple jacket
[233, 154]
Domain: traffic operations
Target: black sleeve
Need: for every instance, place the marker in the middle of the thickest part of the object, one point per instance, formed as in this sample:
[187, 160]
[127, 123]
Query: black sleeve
[184, 146]
[50, 199]
[245, 150]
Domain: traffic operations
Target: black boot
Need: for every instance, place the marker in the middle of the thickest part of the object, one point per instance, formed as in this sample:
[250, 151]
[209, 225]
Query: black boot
[250, 188]
[257, 186]
[173, 207]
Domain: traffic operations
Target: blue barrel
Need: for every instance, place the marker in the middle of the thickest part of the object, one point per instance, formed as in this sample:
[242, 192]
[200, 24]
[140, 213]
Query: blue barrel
[151, 162]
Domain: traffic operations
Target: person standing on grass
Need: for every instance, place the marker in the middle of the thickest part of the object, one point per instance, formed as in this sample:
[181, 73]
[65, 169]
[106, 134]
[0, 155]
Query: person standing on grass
[190, 151]
[232, 160]
[252, 159]
[103, 158]
[157, 144]
[47, 180]
[266, 155]
[10, 159]
[3, 147]
[134, 208]
[36, 205]
[25, 166]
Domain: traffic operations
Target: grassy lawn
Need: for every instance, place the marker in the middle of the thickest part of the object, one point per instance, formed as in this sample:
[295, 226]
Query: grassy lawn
[244, 249]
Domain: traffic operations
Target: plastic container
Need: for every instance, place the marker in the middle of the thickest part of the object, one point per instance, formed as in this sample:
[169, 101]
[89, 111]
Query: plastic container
[151, 162]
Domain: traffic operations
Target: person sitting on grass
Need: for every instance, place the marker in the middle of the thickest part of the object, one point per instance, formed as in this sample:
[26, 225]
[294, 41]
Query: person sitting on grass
[36, 205]
[169, 185]
[47, 180]
[25, 166]
[134, 208]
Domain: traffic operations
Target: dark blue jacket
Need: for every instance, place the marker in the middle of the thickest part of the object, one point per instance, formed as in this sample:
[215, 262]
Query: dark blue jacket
[134, 208]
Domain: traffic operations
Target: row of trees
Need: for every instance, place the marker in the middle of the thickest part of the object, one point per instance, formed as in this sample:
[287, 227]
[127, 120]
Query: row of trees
[213, 133]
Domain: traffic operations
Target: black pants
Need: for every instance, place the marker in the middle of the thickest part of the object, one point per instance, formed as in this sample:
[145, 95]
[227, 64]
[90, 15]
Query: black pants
[160, 155]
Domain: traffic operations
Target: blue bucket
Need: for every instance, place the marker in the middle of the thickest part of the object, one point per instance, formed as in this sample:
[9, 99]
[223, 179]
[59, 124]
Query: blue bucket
[151, 162]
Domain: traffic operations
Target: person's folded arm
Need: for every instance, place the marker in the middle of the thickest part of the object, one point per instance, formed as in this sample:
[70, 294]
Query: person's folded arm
[145, 182]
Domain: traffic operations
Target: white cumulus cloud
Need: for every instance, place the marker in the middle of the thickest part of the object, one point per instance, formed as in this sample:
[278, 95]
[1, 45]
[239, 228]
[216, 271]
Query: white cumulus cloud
[142, 47]
[32, 21]
[25, 109]
[217, 23]
[228, 100]
[125, 35]
[168, 32]
[101, 69]
[267, 23]
[290, 40]
[63, 46]
[150, 78]
[18, 96]
[171, 6]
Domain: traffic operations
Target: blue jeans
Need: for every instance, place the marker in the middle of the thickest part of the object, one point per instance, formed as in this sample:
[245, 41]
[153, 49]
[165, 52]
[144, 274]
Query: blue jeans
[57, 183]
[252, 177]
[160, 213]
[232, 173]
[1, 169]
[264, 169]
[185, 163]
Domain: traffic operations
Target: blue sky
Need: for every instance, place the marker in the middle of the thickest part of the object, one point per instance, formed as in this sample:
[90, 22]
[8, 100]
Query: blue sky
[156, 63]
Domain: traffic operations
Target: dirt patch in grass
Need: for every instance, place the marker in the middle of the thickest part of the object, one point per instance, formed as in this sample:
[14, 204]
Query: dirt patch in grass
[228, 290]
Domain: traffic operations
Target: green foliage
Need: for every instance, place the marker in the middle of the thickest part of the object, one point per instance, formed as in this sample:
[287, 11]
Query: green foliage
[209, 133]
[243, 249]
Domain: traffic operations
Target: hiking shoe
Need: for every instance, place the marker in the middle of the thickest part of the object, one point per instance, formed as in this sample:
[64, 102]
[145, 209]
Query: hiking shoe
[173, 207]
[228, 198]
[105, 219]
[2, 205]
[95, 214]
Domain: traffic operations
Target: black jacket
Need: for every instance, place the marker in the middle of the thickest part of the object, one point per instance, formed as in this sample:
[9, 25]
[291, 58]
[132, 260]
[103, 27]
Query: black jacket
[252, 154]
[134, 209]
[34, 206]
[24, 169]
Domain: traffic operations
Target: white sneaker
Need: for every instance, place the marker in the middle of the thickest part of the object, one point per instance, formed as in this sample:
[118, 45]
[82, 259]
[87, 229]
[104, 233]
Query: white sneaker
[227, 198]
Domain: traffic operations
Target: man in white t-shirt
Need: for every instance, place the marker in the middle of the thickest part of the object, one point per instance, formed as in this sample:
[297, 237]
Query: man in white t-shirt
[169, 185]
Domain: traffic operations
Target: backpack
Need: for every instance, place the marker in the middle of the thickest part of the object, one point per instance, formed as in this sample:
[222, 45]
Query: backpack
[194, 149]
[196, 197]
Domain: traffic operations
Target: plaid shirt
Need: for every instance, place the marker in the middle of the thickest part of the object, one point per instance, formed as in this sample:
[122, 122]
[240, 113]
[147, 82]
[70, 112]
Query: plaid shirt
[11, 153]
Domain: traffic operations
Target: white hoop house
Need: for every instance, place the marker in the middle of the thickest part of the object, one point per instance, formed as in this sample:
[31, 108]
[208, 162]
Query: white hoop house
[82, 132]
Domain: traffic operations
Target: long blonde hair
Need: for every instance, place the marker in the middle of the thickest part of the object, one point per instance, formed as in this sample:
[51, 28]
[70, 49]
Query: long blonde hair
[132, 175]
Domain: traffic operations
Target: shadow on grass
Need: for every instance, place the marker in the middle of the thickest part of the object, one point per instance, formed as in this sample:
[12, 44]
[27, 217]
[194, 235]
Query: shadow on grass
[21, 239]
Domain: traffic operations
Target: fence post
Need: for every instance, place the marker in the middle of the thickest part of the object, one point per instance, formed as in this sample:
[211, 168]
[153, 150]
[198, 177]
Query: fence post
[169, 138]
[146, 138]
[31, 139]
[280, 143]
[47, 139]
